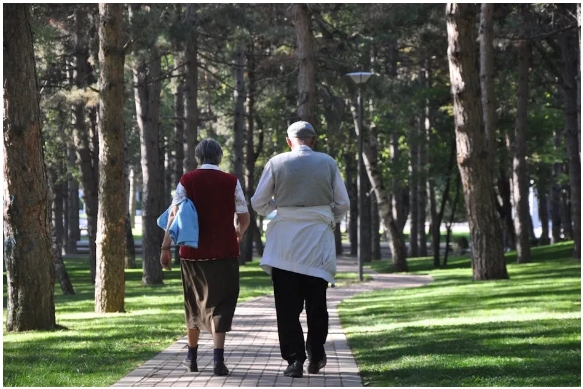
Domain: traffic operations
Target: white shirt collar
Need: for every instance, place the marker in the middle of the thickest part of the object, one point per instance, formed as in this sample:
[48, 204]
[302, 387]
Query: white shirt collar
[209, 166]
[302, 148]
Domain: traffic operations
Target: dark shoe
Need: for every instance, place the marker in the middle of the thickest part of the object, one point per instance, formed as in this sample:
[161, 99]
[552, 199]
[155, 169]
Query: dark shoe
[190, 365]
[294, 370]
[315, 366]
[220, 369]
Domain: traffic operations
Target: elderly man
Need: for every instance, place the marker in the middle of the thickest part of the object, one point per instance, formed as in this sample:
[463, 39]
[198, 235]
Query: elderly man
[307, 190]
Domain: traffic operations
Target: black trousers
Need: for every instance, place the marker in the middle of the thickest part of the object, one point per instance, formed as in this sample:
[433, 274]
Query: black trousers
[291, 290]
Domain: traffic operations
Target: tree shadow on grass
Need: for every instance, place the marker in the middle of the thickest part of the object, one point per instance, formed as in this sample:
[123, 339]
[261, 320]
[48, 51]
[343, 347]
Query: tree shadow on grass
[485, 354]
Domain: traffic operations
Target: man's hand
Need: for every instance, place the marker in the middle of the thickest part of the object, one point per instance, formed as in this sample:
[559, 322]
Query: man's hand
[166, 259]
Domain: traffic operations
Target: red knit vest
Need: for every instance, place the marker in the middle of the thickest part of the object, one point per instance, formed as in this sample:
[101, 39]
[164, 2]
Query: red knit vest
[213, 195]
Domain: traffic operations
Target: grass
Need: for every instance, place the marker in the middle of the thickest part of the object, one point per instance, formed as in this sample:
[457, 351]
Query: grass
[525, 331]
[99, 349]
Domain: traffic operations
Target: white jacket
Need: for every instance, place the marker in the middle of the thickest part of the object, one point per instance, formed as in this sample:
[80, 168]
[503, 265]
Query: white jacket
[301, 240]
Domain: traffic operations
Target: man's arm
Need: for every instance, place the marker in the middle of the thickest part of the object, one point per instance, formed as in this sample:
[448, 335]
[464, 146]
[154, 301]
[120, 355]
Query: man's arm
[341, 199]
[262, 201]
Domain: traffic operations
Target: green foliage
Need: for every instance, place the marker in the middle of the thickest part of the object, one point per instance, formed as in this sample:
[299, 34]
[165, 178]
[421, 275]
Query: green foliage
[525, 331]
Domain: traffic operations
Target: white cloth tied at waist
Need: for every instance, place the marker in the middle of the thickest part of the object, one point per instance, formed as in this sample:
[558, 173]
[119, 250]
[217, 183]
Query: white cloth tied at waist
[301, 240]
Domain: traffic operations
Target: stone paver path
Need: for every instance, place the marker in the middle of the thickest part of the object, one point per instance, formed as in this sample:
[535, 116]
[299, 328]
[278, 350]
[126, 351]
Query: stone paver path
[252, 349]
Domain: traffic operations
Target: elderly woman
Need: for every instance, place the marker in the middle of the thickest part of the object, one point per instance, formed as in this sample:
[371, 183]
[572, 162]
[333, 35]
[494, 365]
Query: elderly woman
[210, 273]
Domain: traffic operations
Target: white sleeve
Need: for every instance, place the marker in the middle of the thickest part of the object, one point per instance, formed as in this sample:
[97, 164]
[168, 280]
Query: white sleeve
[240, 202]
[179, 194]
[262, 201]
[341, 199]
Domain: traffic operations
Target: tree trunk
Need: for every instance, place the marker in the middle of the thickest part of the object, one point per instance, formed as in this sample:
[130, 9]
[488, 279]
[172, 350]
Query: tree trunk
[399, 201]
[302, 18]
[84, 138]
[487, 78]
[352, 189]
[59, 231]
[147, 86]
[191, 89]
[73, 232]
[132, 196]
[130, 253]
[556, 212]
[239, 111]
[253, 235]
[413, 191]
[486, 235]
[28, 251]
[178, 92]
[363, 188]
[422, 187]
[543, 211]
[438, 217]
[519, 169]
[110, 279]
[393, 233]
[375, 223]
[570, 56]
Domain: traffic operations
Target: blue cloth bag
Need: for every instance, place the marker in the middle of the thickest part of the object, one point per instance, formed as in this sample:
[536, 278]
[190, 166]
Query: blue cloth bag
[184, 227]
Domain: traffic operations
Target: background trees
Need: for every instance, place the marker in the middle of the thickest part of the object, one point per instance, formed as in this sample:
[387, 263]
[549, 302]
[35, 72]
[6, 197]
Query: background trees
[241, 73]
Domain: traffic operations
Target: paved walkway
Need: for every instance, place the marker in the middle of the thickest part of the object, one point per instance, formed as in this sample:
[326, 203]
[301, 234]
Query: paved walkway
[252, 348]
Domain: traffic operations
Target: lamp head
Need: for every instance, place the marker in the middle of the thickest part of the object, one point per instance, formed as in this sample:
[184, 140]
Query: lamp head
[360, 77]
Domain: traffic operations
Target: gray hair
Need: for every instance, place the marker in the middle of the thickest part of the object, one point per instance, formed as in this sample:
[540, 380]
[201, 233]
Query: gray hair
[208, 151]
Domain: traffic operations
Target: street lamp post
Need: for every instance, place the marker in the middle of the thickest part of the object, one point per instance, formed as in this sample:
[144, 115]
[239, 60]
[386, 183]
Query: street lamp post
[360, 78]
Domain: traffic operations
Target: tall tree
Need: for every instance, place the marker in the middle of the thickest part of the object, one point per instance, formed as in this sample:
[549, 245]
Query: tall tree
[486, 37]
[147, 71]
[302, 18]
[571, 63]
[85, 138]
[486, 235]
[28, 252]
[191, 88]
[110, 278]
[520, 187]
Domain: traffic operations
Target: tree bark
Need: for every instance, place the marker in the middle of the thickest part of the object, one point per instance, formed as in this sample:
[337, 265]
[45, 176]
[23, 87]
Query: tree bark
[487, 78]
[111, 237]
[86, 149]
[351, 187]
[520, 186]
[179, 119]
[239, 111]
[191, 89]
[147, 87]
[413, 191]
[58, 237]
[130, 251]
[302, 17]
[73, 232]
[400, 197]
[253, 235]
[486, 235]
[28, 251]
[570, 55]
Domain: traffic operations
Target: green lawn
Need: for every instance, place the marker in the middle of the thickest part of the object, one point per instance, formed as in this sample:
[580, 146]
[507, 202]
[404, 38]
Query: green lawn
[99, 349]
[525, 331]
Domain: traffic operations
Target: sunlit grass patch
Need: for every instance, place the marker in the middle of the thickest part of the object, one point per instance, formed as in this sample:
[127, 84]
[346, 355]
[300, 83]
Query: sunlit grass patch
[525, 331]
[98, 349]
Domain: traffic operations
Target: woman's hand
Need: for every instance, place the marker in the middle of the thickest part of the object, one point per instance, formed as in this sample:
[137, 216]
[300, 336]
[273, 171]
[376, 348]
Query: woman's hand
[166, 259]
